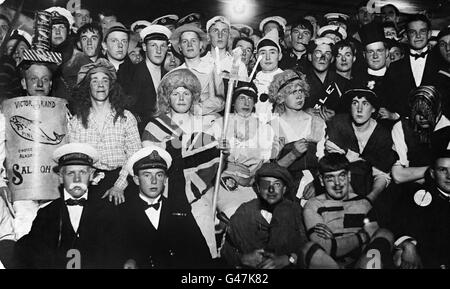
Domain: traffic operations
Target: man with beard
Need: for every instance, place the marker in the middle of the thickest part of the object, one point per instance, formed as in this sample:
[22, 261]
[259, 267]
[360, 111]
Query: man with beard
[267, 232]
[341, 225]
[73, 231]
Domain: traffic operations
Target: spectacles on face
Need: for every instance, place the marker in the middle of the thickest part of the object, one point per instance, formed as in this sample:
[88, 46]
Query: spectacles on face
[320, 54]
[414, 33]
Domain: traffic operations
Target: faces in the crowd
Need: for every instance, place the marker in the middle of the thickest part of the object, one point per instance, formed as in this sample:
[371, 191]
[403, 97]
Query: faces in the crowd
[106, 20]
[156, 50]
[116, 45]
[271, 189]
[59, 34]
[4, 26]
[190, 44]
[314, 23]
[345, 59]
[376, 55]
[243, 105]
[81, 17]
[219, 34]
[270, 58]
[171, 61]
[269, 26]
[390, 32]
[38, 80]
[75, 179]
[247, 51]
[151, 182]
[364, 17]
[333, 36]
[100, 86]
[389, 14]
[234, 33]
[181, 100]
[361, 110]
[440, 172]
[336, 184]
[300, 37]
[295, 98]
[423, 119]
[395, 53]
[135, 54]
[338, 23]
[18, 53]
[444, 48]
[321, 58]
[90, 43]
[418, 34]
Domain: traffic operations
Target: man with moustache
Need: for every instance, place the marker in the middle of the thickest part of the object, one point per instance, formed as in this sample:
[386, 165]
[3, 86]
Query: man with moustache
[341, 225]
[158, 233]
[73, 231]
[148, 73]
[267, 232]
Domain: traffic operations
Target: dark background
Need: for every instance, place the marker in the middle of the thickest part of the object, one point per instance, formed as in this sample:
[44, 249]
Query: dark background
[130, 10]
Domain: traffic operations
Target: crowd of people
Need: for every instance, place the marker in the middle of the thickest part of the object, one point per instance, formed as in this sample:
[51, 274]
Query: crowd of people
[337, 144]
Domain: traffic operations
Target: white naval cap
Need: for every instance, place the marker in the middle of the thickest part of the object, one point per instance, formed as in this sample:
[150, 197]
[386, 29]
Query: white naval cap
[75, 154]
[149, 157]
[155, 31]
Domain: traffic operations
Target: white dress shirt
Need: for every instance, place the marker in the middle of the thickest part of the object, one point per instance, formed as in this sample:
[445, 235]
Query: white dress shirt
[155, 72]
[266, 215]
[418, 65]
[75, 212]
[152, 214]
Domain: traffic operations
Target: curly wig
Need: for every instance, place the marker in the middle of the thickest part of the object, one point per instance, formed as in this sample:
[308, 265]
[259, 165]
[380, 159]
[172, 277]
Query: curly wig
[81, 103]
[282, 85]
[182, 77]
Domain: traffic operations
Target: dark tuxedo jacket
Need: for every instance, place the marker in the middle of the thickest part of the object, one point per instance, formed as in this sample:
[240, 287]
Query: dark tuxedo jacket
[144, 94]
[428, 225]
[177, 243]
[52, 236]
[399, 82]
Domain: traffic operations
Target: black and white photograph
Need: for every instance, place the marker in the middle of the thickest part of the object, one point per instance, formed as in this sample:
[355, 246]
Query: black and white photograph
[222, 137]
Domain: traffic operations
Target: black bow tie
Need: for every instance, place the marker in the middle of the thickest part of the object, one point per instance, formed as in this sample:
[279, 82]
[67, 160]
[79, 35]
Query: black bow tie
[75, 202]
[154, 206]
[421, 55]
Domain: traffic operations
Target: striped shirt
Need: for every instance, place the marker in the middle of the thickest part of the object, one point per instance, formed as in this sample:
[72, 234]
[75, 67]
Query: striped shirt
[342, 217]
[115, 143]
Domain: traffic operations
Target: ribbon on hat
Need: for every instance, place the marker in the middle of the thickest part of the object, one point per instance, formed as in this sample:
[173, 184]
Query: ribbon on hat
[101, 65]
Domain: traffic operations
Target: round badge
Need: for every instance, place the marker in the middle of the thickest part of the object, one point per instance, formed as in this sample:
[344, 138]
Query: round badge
[422, 198]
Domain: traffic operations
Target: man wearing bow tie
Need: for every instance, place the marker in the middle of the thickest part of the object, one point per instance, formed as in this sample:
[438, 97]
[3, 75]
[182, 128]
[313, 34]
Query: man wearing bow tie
[416, 69]
[157, 234]
[73, 231]
[421, 220]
